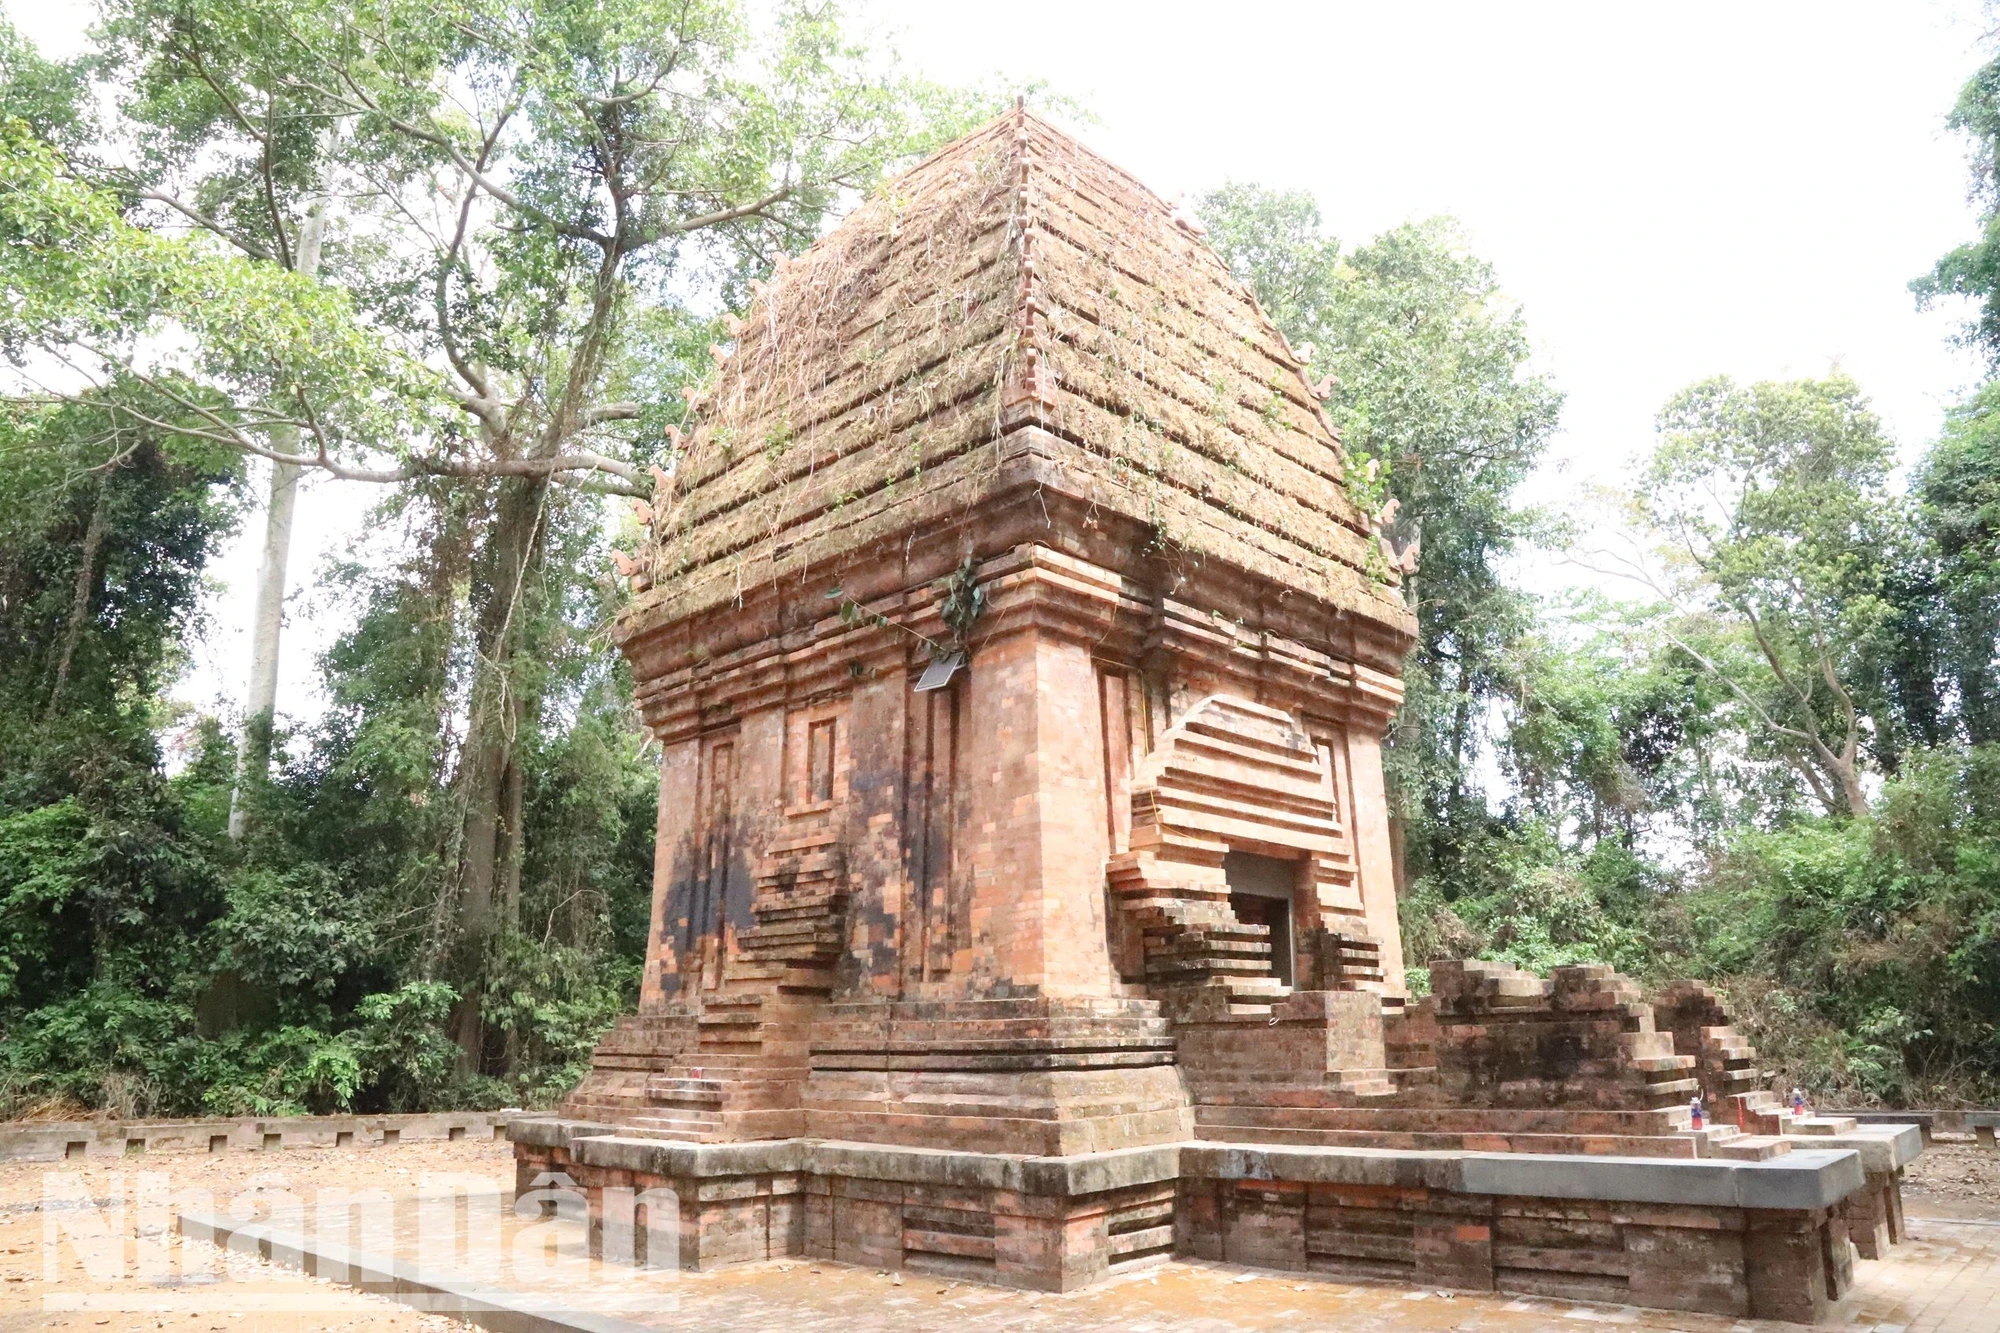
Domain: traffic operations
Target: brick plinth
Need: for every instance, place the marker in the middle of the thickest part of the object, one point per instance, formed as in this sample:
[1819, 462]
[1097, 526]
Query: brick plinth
[1042, 1223]
[1875, 1214]
[1038, 1077]
[1763, 1239]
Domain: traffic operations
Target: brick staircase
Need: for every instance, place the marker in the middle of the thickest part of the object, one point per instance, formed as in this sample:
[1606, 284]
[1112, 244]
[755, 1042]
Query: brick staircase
[687, 1109]
[1492, 1035]
[1765, 1113]
[1730, 1142]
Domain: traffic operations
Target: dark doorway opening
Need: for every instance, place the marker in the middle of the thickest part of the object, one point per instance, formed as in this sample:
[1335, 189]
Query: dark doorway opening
[1260, 894]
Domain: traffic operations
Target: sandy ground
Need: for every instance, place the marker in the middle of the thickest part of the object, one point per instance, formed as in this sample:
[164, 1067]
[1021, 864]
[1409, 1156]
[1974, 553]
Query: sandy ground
[1945, 1279]
[153, 1282]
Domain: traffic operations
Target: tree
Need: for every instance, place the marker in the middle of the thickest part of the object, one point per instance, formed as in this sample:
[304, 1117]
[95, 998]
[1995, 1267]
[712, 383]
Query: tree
[524, 204]
[1957, 488]
[1778, 536]
[104, 531]
[1972, 270]
[1438, 408]
[1608, 727]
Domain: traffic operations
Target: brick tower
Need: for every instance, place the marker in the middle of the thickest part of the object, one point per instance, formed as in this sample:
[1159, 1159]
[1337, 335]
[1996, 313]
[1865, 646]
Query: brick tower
[1021, 666]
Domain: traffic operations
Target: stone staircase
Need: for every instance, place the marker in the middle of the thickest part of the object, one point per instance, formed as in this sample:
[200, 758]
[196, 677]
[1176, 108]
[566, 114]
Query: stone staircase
[738, 1078]
[1496, 1036]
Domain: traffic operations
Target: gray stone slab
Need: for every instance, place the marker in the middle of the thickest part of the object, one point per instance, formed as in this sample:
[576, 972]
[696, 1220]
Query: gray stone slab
[1800, 1180]
[1081, 1174]
[1882, 1147]
[664, 1157]
[1094, 1173]
[553, 1131]
[1954, 1121]
[1327, 1166]
[405, 1283]
[1803, 1179]
[1922, 1119]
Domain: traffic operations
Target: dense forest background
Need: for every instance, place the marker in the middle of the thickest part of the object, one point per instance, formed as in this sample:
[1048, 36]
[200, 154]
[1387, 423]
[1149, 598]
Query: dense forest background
[470, 256]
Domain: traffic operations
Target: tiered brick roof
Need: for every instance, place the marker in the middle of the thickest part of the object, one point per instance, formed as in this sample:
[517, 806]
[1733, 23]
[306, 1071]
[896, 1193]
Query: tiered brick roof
[1013, 279]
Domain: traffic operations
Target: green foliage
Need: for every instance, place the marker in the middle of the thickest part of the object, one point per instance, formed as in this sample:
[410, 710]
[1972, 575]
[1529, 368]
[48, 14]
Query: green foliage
[403, 1046]
[1438, 408]
[1608, 726]
[1869, 947]
[1780, 534]
[182, 338]
[530, 215]
[1941, 672]
[1972, 270]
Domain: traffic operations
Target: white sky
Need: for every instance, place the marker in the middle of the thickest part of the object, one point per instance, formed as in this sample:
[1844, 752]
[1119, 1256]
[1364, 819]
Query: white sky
[1671, 191]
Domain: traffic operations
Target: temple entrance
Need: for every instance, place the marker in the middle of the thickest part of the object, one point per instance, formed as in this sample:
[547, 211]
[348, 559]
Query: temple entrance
[1260, 894]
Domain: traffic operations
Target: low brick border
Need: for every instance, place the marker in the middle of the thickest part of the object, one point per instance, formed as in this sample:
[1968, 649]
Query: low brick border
[62, 1140]
[407, 1284]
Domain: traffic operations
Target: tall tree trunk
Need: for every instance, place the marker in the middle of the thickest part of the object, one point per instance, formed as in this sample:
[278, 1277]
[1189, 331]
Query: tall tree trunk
[1851, 790]
[253, 760]
[491, 858]
[86, 585]
[489, 872]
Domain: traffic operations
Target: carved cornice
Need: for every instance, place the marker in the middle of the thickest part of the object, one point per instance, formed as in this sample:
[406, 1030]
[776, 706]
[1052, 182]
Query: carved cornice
[789, 645]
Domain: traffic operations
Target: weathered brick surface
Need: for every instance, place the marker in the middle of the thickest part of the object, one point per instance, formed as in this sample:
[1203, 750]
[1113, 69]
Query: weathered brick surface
[1723, 1261]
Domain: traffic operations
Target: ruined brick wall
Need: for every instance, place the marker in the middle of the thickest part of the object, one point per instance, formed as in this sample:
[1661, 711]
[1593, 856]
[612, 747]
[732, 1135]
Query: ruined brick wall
[1581, 1039]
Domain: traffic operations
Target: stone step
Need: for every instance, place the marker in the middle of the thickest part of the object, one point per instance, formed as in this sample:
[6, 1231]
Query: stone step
[1368, 1087]
[676, 1128]
[1710, 1133]
[677, 1118]
[1665, 1094]
[1263, 991]
[1814, 1125]
[1752, 1148]
[668, 1088]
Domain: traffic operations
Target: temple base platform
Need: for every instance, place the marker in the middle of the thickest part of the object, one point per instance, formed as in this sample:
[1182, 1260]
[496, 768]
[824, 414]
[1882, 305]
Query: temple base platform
[1772, 1238]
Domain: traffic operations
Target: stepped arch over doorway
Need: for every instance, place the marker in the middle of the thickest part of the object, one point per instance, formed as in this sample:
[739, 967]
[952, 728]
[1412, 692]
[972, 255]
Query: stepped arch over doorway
[1233, 794]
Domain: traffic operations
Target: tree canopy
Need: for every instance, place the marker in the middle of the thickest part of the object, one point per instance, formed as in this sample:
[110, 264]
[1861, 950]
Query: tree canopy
[477, 256]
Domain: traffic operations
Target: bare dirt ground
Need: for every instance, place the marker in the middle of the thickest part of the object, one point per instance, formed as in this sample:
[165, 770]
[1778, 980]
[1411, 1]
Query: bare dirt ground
[154, 1282]
[1944, 1279]
[1957, 1169]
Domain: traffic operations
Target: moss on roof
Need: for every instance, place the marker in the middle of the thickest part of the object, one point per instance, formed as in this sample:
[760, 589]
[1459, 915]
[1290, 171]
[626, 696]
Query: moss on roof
[1014, 278]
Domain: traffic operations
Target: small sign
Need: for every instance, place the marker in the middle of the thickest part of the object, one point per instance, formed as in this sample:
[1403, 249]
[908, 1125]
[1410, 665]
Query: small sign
[939, 673]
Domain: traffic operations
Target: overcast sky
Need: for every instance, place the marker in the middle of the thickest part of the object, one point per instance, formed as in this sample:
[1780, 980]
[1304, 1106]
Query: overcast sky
[1670, 191]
